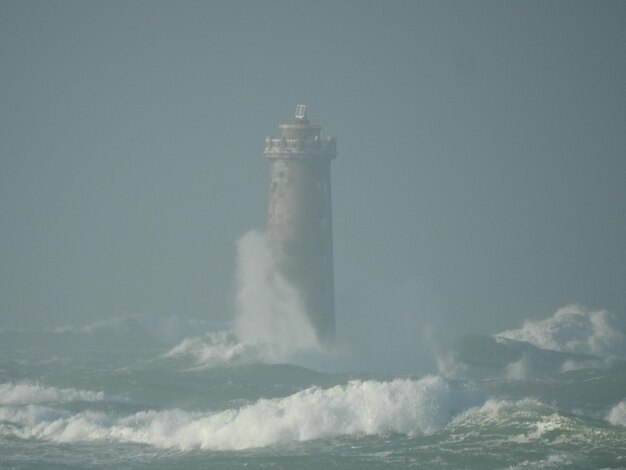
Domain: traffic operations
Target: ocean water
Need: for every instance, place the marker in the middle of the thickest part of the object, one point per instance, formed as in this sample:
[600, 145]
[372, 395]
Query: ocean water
[169, 392]
[146, 392]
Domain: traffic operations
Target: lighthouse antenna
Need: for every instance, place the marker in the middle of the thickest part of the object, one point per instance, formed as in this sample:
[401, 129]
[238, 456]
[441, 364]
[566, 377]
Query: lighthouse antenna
[301, 112]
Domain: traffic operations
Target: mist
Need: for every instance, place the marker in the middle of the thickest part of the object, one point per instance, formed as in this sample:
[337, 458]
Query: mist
[477, 235]
[478, 185]
[480, 156]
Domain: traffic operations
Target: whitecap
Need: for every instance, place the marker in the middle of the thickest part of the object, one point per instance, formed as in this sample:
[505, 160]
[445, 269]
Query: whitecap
[404, 406]
[219, 348]
[573, 329]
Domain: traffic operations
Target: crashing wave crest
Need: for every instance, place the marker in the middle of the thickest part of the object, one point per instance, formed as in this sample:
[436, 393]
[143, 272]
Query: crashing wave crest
[410, 407]
[271, 324]
[573, 329]
[219, 348]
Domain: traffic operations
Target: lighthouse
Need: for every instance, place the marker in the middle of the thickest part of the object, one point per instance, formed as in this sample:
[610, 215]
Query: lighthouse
[299, 218]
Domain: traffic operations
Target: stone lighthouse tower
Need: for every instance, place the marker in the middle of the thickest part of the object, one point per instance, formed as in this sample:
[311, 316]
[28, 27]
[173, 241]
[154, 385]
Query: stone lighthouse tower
[299, 219]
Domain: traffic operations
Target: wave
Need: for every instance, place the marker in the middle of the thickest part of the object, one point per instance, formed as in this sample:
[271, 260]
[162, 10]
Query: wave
[529, 422]
[225, 349]
[163, 328]
[29, 393]
[501, 412]
[617, 415]
[220, 348]
[403, 406]
[478, 356]
[573, 329]
[270, 324]
[133, 333]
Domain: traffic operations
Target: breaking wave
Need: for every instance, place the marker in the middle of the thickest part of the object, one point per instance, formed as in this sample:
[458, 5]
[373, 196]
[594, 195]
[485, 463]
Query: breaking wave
[270, 325]
[573, 329]
[528, 422]
[403, 406]
[164, 328]
[29, 393]
[220, 348]
[224, 348]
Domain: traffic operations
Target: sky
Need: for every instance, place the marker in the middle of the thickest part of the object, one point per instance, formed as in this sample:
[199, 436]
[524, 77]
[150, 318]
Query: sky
[480, 179]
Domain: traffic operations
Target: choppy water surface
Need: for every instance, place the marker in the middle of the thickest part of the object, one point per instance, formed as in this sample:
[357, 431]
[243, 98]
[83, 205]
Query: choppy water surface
[120, 395]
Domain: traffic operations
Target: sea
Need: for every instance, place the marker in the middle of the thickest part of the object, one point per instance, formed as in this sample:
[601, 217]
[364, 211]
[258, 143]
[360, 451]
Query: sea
[123, 393]
[258, 392]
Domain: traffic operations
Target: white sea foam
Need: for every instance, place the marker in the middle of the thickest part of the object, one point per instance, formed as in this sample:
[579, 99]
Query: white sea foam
[617, 415]
[223, 347]
[494, 410]
[574, 329]
[404, 406]
[533, 420]
[28, 393]
[557, 460]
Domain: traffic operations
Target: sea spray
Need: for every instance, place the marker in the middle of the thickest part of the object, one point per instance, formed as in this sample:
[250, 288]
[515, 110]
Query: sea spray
[269, 308]
[574, 329]
[270, 323]
[617, 415]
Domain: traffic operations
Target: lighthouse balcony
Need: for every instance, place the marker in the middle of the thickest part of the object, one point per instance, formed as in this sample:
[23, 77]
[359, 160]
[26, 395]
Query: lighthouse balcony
[326, 146]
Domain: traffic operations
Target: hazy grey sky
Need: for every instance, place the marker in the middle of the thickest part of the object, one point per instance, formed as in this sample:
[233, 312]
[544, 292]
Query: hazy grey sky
[482, 153]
